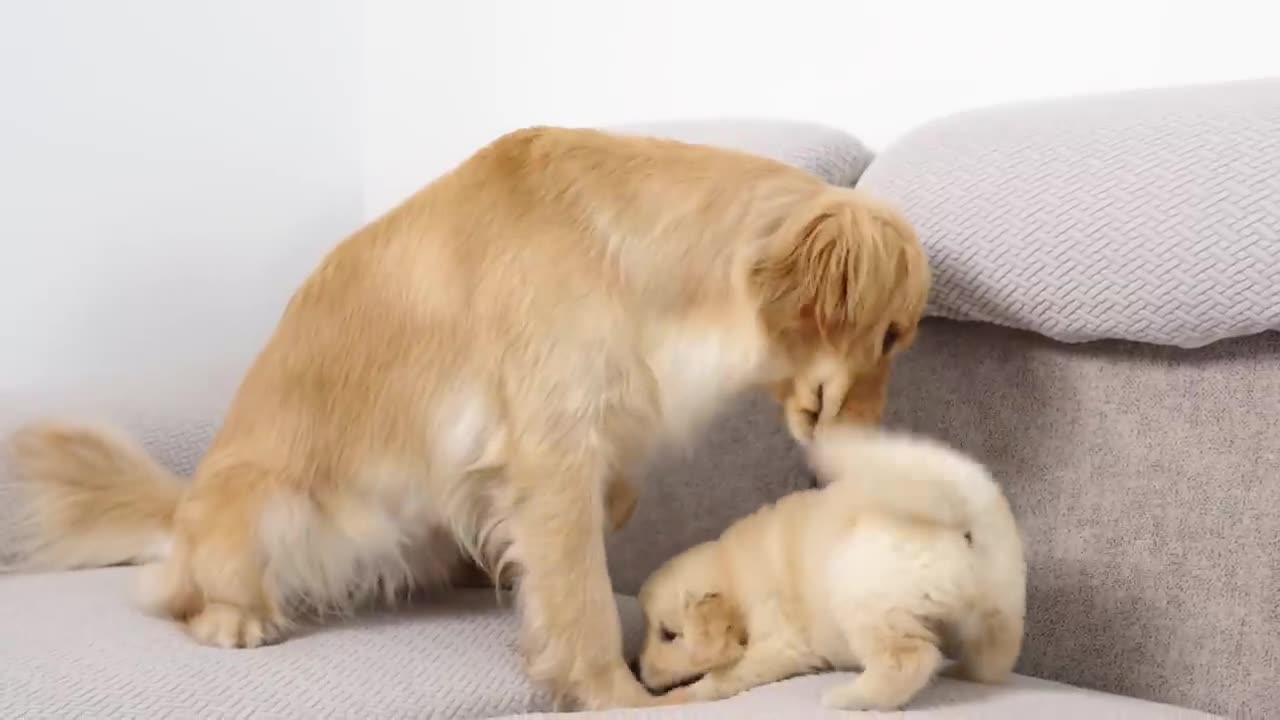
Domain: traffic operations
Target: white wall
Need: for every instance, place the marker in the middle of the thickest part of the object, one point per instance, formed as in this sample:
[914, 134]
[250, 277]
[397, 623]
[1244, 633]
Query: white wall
[168, 170]
[443, 78]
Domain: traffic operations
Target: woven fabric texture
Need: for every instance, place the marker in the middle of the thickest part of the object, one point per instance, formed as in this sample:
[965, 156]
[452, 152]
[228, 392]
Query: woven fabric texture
[73, 646]
[1145, 481]
[1151, 216]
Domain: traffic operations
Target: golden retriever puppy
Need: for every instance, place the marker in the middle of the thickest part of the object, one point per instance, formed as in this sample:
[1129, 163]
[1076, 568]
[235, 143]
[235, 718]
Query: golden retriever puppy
[909, 553]
[469, 376]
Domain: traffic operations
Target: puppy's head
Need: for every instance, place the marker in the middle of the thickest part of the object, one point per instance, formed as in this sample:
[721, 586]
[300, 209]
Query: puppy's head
[691, 629]
[842, 286]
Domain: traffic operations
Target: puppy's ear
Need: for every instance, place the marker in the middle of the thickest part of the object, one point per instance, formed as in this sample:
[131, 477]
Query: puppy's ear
[715, 630]
[717, 615]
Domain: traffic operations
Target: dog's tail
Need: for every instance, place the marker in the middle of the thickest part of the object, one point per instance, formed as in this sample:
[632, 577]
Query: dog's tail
[94, 499]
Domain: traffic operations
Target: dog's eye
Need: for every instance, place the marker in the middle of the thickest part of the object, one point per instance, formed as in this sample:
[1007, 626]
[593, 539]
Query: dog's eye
[666, 635]
[890, 339]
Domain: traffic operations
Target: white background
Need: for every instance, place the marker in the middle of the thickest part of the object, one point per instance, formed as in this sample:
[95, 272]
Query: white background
[442, 78]
[169, 169]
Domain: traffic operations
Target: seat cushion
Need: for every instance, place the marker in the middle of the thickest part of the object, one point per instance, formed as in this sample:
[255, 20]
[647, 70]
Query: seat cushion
[72, 645]
[1020, 698]
[1150, 216]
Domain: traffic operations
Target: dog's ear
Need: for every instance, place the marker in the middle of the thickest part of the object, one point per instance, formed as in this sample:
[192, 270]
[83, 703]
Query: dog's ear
[804, 277]
[837, 262]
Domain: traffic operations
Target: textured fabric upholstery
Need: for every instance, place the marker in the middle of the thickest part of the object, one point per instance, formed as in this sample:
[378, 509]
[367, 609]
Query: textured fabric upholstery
[1019, 699]
[72, 646]
[1146, 481]
[1151, 216]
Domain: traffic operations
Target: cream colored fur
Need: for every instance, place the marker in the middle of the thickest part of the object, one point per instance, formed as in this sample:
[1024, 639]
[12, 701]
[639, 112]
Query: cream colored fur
[468, 378]
[911, 552]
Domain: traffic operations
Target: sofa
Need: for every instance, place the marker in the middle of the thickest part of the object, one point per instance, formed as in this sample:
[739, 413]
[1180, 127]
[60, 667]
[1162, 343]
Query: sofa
[1102, 333]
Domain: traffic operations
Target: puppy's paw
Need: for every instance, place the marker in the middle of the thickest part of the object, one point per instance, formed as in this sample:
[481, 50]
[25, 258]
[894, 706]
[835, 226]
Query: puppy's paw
[853, 696]
[223, 625]
[678, 696]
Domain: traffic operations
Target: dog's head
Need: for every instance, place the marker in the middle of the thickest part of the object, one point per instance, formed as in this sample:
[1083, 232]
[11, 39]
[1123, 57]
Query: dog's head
[842, 287]
[690, 629]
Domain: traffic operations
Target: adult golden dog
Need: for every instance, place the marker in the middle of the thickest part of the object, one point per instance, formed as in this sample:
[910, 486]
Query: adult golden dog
[910, 551]
[471, 376]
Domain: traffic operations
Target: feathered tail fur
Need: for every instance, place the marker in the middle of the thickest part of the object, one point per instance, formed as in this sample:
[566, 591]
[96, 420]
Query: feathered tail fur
[94, 499]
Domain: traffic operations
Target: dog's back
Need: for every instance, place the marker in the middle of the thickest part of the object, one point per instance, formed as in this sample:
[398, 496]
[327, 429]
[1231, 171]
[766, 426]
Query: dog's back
[933, 534]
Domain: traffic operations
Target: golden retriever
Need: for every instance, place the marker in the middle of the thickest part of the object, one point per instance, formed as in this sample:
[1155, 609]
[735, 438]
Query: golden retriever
[911, 551]
[470, 377]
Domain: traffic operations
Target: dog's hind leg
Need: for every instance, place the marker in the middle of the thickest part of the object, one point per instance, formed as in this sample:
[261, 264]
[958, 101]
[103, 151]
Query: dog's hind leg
[899, 656]
[988, 645]
[215, 579]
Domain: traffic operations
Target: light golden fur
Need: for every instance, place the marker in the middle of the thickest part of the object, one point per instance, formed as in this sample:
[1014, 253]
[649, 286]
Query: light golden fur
[911, 551]
[471, 376]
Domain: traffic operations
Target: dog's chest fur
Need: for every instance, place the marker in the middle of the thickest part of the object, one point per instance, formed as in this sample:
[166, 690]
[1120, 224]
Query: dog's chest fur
[699, 366]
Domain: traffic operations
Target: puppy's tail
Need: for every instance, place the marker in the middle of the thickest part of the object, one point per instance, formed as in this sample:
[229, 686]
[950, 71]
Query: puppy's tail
[93, 500]
[921, 480]
[908, 477]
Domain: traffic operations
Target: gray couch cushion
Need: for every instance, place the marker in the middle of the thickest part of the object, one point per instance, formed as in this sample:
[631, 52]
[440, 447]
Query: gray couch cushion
[1151, 216]
[72, 645]
[833, 155]
[1145, 483]
[1019, 699]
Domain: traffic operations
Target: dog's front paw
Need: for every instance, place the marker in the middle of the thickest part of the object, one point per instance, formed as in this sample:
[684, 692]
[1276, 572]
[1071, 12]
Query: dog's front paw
[611, 688]
[228, 626]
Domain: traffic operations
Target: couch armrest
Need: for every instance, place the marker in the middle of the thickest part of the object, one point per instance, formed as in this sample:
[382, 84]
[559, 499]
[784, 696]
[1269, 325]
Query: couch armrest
[833, 155]
[745, 459]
